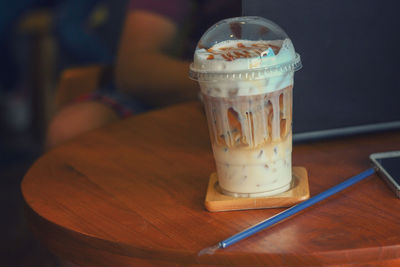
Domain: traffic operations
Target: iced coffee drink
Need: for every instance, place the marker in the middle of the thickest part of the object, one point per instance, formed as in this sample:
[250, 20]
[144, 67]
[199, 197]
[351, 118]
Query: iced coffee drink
[246, 80]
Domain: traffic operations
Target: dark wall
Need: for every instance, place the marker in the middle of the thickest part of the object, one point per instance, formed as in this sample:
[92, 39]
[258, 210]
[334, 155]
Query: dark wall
[350, 52]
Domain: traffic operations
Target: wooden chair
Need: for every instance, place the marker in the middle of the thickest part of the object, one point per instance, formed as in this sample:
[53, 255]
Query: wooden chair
[42, 77]
[36, 25]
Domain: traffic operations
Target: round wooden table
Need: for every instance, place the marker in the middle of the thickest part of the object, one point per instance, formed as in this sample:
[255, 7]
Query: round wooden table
[133, 193]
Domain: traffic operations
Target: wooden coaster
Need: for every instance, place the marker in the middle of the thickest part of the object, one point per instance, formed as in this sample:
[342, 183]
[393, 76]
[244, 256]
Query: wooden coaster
[216, 201]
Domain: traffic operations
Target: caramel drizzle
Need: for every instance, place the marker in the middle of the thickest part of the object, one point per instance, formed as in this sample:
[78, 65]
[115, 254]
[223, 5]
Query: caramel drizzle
[241, 51]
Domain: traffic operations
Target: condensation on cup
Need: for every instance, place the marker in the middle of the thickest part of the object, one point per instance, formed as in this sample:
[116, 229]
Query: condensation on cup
[245, 68]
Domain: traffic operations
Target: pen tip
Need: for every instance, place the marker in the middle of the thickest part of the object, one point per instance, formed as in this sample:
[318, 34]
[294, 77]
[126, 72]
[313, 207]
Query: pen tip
[209, 250]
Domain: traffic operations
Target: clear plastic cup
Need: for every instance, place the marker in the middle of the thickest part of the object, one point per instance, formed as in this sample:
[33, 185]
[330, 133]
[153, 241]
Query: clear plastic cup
[245, 68]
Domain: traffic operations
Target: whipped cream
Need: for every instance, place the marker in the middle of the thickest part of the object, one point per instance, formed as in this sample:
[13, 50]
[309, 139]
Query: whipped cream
[242, 55]
[243, 67]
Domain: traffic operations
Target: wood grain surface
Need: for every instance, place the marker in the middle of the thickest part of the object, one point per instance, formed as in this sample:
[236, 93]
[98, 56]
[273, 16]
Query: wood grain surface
[132, 194]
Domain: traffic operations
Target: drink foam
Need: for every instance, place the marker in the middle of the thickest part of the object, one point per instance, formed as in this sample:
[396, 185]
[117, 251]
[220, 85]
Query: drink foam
[237, 57]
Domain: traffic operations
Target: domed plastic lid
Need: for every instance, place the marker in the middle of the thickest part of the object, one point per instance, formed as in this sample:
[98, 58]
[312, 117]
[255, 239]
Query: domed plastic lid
[243, 48]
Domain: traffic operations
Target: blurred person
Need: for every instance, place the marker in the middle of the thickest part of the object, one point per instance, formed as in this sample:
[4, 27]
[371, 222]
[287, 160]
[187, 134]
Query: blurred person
[86, 30]
[156, 47]
[80, 42]
[71, 28]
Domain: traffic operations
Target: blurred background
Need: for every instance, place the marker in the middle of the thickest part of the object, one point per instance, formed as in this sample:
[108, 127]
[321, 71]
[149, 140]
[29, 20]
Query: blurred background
[39, 39]
[349, 49]
[350, 78]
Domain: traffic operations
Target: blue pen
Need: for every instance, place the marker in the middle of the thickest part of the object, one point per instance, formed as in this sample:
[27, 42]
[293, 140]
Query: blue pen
[289, 212]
